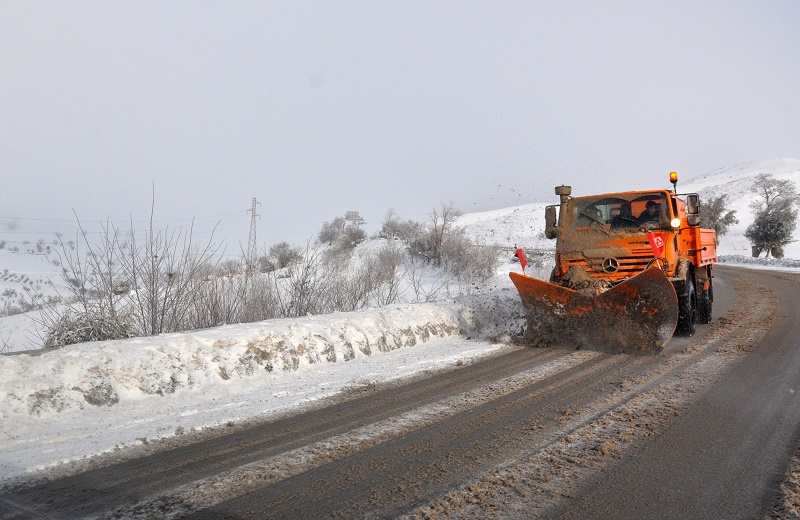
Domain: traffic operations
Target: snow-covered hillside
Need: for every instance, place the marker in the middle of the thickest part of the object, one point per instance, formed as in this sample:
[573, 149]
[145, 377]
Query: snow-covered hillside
[736, 182]
[517, 225]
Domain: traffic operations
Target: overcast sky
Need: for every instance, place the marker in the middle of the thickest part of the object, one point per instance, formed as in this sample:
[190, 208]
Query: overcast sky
[318, 108]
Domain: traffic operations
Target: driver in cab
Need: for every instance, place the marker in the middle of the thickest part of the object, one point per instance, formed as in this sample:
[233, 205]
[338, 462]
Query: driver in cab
[625, 218]
[651, 213]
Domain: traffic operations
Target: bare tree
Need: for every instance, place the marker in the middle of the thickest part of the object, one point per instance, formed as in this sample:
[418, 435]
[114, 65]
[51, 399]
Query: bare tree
[390, 225]
[772, 193]
[441, 223]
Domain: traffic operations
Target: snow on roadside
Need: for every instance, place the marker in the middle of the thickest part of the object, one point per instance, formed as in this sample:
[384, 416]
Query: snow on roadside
[760, 263]
[88, 399]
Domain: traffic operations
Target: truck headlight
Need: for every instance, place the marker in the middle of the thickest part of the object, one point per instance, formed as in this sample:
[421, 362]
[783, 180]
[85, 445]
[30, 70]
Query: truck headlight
[676, 223]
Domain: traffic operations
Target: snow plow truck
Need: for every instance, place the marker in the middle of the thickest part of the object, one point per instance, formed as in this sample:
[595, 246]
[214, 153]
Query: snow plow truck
[631, 269]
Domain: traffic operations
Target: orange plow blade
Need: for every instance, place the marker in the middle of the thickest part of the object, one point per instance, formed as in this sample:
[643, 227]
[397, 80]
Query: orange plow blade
[637, 316]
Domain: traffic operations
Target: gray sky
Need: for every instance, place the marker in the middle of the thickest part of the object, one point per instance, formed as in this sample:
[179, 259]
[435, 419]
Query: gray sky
[317, 108]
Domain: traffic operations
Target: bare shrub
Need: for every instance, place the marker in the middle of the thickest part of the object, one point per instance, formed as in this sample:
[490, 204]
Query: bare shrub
[441, 224]
[390, 224]
[262, 301]
[405, 230]
[414, 272]
[162, 272]
[428, 243]
[78, 327]
[340, 235]
[389, 260]
[300, 288]
[408, 231]
[464, 259]
[6, 345]
[331, 231]
[366, 280]
[283, 255]
[218, 300]
[347, 288]
[166, 267]
[351, 237]
[228, 267]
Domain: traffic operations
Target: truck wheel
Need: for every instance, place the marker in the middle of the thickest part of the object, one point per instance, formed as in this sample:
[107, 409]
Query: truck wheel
[687, 309]
[704, 303]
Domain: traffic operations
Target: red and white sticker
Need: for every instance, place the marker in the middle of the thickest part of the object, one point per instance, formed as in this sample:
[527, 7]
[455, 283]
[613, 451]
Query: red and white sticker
[657, 241]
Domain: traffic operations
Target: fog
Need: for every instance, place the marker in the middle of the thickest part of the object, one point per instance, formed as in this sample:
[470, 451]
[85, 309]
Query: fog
[318, 108]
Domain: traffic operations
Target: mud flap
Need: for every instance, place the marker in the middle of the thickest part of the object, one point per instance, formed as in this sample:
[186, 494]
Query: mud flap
[637, 316]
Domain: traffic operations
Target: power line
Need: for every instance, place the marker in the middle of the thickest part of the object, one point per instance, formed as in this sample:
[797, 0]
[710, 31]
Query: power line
[225, 215]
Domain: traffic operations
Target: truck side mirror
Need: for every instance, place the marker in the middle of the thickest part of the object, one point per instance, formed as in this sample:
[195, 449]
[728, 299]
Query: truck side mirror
[693, 209]
[550, 227]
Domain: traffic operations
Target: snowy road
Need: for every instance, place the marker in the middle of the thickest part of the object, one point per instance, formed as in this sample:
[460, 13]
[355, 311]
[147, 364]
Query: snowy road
[710, 424]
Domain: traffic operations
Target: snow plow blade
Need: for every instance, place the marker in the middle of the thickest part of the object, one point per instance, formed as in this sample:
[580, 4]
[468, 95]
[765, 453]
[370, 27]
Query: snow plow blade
[637, 316]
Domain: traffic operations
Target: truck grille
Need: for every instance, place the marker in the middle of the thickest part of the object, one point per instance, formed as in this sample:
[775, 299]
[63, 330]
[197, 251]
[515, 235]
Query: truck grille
[628, 265]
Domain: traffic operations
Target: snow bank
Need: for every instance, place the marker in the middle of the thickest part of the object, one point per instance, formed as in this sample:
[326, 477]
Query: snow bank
[107, 373]
[765, 263]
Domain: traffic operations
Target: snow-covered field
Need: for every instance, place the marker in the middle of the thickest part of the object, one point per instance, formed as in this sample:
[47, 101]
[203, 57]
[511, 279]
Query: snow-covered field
[74, 403]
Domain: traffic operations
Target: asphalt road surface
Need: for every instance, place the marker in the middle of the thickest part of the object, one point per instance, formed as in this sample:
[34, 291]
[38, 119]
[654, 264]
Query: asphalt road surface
[707, 429]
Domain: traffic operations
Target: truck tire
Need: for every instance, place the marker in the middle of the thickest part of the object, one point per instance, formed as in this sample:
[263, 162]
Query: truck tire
[687, 308]
[704, 303]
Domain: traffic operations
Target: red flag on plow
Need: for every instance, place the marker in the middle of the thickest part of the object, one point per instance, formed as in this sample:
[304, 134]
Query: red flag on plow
[657, 241]
[522, 260]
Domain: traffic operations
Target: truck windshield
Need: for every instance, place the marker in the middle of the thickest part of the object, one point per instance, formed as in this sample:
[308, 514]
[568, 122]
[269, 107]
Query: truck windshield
[619, 213]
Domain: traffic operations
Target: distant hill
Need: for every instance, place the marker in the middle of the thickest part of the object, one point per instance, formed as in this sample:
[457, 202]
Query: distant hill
[736, 182]
[520, 225]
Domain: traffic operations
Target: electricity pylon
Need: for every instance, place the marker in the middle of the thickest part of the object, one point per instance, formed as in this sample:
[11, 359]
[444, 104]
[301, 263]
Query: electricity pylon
[251, 246]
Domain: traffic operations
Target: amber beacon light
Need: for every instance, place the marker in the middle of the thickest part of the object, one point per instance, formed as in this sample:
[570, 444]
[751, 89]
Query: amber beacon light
[673, 178]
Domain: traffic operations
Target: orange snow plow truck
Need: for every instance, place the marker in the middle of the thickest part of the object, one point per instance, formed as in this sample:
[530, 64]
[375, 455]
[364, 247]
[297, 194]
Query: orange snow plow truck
[632, 268]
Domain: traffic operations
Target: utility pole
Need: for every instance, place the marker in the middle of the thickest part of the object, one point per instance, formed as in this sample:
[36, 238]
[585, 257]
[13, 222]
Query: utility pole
[251, 246]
